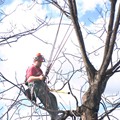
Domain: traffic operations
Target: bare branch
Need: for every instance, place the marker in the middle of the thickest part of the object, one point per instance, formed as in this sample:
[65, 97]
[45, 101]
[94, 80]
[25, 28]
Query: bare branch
[116, 106]
[110, 41]
[59, 7]
[89, 67]
[114, 69]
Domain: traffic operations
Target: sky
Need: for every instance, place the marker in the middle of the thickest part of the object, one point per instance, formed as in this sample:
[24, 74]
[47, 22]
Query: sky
[19, 55]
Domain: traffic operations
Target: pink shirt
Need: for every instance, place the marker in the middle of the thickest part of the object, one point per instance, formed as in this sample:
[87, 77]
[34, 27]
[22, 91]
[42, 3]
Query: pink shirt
[33, 71]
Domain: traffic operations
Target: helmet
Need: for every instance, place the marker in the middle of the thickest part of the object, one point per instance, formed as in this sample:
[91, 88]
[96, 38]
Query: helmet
[39, 57]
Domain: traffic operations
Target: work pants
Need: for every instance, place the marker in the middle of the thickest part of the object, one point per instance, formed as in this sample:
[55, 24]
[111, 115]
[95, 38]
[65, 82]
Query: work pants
[46, 97]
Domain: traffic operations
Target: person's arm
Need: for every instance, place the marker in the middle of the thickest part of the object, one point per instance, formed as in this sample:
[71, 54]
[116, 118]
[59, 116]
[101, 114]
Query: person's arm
[34, 78]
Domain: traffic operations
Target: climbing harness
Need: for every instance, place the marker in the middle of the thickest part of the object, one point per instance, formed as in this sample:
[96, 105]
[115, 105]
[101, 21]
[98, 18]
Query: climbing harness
[29, 96]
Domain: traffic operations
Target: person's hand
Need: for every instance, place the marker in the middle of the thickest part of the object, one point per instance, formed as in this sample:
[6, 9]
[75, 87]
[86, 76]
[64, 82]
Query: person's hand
[42, 77]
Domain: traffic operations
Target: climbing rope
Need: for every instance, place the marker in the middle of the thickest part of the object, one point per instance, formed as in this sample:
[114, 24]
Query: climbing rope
[51, 55]
[62, 44]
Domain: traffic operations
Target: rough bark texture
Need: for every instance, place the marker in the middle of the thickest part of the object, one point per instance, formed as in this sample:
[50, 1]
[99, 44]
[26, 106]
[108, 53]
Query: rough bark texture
[91, 99]
[97, 79]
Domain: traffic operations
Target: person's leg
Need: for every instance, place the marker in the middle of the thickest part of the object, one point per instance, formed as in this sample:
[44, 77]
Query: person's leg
[54, 105]
[46, 100]
[30, 92]
[54, 101]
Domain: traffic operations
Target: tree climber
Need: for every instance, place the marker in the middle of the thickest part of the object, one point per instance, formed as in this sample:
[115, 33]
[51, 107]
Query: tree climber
[36, 84]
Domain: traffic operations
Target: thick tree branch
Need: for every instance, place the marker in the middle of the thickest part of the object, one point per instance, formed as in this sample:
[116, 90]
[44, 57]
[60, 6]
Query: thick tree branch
[110, 48]
[73, 12]
[110, 29]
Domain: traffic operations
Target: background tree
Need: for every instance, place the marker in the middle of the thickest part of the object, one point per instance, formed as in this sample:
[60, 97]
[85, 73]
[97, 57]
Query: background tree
[97, 78]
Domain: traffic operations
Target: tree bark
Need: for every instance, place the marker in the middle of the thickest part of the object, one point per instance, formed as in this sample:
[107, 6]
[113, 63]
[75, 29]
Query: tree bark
[91, 99]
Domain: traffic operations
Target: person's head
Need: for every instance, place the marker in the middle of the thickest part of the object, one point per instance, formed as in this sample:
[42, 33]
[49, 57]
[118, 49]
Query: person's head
[38, 59]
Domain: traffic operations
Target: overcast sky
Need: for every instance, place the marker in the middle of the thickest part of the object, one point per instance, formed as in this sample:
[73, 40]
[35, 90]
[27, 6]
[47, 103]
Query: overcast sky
[19, 55]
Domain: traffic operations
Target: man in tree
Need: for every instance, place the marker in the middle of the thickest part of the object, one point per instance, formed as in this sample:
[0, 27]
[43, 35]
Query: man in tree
[36, 83]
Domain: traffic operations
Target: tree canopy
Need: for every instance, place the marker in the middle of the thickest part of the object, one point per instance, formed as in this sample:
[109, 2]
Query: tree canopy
[82, 42]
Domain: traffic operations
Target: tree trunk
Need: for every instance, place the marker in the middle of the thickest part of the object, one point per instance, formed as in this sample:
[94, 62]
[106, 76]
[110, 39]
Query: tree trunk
[91, 99]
